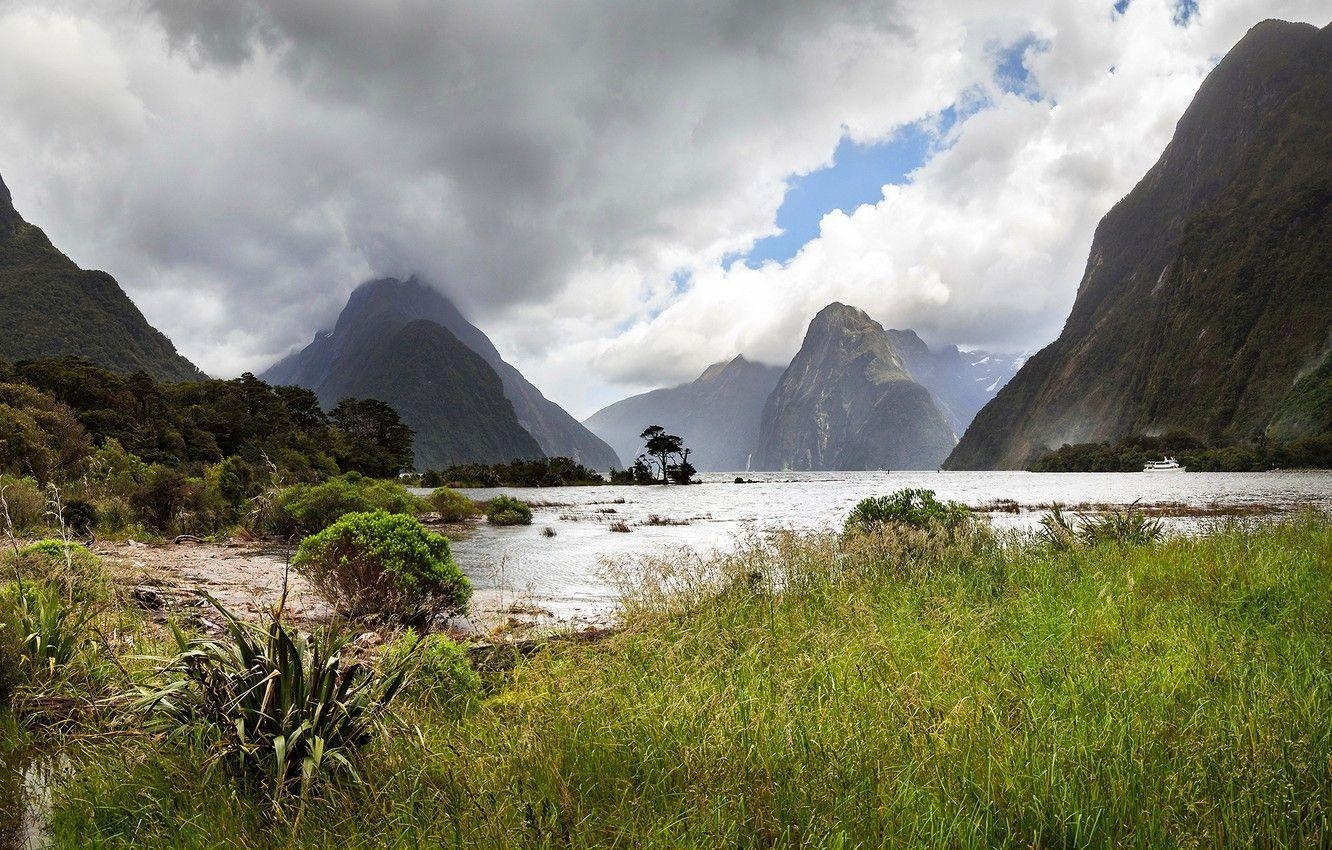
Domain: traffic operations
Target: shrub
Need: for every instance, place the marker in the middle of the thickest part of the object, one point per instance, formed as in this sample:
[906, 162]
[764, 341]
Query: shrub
[50, 631]
[453, 506]
[386, 564]
[284, 709]
[437, 671]
[506, 510]
[1129, 527]
[162, 497]
[915, 508]
[26, 501]
[71, 569]
[308, 508]
[11, 657]
[79, 517]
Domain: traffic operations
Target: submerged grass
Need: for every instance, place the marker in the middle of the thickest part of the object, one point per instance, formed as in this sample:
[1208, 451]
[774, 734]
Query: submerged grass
[889, 689]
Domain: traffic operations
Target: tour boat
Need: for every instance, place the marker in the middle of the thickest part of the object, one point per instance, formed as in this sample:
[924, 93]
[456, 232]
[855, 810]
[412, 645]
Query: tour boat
[1165, 464]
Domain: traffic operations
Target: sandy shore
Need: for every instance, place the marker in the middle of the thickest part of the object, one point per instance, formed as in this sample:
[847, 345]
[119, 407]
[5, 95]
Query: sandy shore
[247, 577]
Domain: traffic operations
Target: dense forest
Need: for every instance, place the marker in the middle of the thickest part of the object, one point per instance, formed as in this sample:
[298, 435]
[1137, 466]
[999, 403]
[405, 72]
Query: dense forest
[178, 457]
[1130, 453]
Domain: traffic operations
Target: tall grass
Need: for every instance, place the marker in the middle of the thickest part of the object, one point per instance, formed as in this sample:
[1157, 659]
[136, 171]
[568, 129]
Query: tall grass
[879, 691]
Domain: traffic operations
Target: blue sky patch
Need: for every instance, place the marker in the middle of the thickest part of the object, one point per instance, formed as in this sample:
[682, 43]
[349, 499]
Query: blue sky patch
[1011, 73]
[857, 176]
[1184, 12]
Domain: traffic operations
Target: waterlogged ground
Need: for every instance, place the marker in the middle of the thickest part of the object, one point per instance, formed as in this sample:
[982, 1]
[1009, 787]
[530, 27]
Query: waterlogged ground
[567, 574]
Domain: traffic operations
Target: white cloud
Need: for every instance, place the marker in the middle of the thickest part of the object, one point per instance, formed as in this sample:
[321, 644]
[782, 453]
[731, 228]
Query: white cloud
[240, 167]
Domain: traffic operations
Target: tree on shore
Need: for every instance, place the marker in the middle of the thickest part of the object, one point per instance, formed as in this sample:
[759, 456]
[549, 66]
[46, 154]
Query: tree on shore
[666, 455]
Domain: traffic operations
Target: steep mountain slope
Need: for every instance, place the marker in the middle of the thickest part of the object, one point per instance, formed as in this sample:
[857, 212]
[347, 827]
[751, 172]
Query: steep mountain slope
[1208, 291]
[556, 432]
[444, 390]
[50, 307]
[847, 402]
[962, 382]
[718, 415]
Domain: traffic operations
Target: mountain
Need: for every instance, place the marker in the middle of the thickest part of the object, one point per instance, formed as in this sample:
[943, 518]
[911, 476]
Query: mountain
[447, 393]
[848, 402]
[962, 382]
[1207, 297]
[50, 307]
[557, 433]
[718, 415]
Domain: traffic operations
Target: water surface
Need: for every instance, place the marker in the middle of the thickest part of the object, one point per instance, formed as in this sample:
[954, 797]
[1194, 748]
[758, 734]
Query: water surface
[565, 573]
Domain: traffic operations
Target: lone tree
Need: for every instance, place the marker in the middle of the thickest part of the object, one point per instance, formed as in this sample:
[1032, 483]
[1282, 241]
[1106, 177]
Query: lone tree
[666, 455]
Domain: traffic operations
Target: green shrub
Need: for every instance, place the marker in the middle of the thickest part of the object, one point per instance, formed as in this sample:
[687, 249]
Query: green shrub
[915, 508]
[75, 572]
[283, 708]
[50, 630]
[384, 564]
[308, 508]
[506, 510]
[26, 501]
[453, 506]
[11, 659]
[438, 671]
[1127, 527]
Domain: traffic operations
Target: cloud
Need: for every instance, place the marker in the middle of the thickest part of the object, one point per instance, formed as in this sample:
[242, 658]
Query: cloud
[559, 168]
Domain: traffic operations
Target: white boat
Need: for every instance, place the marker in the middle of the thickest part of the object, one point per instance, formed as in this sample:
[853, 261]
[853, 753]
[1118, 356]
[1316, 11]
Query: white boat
[1165, 464]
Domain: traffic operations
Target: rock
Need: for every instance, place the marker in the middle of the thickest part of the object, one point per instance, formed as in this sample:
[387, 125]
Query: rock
[148, 598]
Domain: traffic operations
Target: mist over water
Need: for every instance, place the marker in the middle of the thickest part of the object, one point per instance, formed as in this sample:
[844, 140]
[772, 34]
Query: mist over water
[566, 573]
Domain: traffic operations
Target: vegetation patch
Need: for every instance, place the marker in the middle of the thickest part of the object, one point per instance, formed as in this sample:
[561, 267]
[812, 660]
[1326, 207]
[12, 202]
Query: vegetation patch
[506, 510]
[453, 506]
[308, 508]
[386, 565]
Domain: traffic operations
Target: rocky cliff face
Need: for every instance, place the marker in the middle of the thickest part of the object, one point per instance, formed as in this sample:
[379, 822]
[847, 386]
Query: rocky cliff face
[446, 392]
[718, 415]
[49, 307]
[1208, 291]
[962, 382]
[848, 402]
[556, 432]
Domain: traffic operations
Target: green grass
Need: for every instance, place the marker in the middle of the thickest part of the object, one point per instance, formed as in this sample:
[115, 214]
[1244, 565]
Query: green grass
[899, 691]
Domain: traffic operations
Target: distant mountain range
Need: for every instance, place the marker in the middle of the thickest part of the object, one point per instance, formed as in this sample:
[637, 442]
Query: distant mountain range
[855, 397]
[403, 342]
[1207, 301]
[50, 307]
[718, 414]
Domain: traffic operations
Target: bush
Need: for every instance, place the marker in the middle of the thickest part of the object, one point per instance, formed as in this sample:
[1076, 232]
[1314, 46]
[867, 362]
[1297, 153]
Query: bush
[284, 709]
[453, 506]
[71, 569]
[308, 508]
[1129, 527]
[506, 510]
[386, 564]
[10, 659]
[50, 631]
[437, 671]
[915, 508]
[27, 503]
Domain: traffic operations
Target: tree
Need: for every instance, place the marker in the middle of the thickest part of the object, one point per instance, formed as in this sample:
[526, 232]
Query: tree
[666, 454]
[374, 439]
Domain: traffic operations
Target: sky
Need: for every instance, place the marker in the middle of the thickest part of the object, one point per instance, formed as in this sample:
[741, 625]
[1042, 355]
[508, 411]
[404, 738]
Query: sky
[619, 194]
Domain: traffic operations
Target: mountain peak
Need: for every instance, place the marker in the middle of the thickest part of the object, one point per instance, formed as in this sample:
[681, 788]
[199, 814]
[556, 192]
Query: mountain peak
[839, 314]
[1205, 293]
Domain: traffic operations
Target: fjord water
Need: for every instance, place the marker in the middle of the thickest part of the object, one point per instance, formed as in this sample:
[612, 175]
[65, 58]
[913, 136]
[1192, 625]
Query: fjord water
[567, 573]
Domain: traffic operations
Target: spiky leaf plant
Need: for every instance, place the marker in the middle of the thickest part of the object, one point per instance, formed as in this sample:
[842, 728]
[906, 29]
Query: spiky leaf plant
[283, 708]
